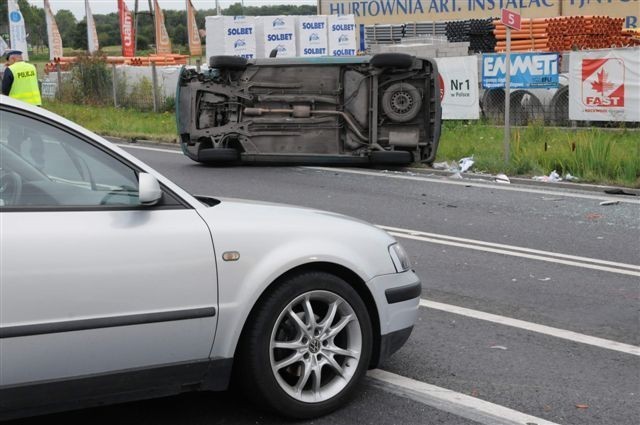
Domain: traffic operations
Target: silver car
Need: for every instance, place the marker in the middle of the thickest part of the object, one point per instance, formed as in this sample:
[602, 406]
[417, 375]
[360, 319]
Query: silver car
[116, 284]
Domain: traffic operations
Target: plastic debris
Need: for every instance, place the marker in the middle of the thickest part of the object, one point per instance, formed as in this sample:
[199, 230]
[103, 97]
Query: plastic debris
[554, 177]
[440, 166]
[498, 347]
[568, 177]
[466, 164]
[582, 406]
[502, 178]
[456, 176]
[609, 203]
[546, 279]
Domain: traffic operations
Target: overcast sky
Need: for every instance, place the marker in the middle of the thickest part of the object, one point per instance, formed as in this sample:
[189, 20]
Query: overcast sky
[108, 6]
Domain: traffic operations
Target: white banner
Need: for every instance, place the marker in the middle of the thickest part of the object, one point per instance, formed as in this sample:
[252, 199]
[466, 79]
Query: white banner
[53, 35]
[342, 35]
[604, 85]
[276, 32]
[3, 46]
[92, 35]
[459, 88]
[17, 31]
[312, 36]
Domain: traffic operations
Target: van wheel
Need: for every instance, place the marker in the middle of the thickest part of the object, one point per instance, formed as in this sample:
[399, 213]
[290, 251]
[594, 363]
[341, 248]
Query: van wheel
[307, 346]
[232, 63]
[392, 60]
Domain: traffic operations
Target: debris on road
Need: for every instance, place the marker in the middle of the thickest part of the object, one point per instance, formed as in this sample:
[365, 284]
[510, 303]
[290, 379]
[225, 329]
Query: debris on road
[594, 216]
[553, 177]
[618, 191]
[568, 177]
[466, 164]
[440, 165]
[498, 347]
[582, 406]
[604, 203]
[502, 178]
[545, 279]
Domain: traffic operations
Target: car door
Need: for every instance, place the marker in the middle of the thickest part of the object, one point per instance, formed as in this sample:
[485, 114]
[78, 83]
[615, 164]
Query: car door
[92, 283]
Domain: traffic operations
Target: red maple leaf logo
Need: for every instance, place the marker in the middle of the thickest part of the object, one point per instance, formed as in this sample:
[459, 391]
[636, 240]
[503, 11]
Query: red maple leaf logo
[601, 84]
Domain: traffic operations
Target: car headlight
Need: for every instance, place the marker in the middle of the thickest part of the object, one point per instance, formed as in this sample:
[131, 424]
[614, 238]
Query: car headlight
[399, 257]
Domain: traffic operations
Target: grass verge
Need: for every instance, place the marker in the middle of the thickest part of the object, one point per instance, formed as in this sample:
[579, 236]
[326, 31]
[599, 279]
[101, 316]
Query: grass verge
[593, 155]
[119, 122]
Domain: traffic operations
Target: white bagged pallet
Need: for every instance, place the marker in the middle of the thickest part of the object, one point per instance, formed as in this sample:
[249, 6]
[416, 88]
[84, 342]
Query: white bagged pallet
[276, 32]
[342, 35]
[312, 36]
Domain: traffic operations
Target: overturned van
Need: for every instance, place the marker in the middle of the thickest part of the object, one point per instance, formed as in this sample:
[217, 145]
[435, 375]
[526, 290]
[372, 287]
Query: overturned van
[382, 109]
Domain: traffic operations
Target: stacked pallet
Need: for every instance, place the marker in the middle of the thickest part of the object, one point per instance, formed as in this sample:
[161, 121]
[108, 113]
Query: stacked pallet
[565, 33]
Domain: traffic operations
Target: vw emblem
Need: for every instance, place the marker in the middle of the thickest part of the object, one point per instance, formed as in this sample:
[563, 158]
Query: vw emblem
[314, 346]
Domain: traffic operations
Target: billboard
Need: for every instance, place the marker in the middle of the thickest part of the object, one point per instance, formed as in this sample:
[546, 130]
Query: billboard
[371, 12]
[528, 70]
[604, 85]
[459, 88]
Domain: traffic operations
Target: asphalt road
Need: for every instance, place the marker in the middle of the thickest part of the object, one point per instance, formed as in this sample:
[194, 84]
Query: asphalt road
[564, 266]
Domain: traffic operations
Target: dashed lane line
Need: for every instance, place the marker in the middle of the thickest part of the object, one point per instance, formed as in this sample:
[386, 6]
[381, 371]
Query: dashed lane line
[456, 403]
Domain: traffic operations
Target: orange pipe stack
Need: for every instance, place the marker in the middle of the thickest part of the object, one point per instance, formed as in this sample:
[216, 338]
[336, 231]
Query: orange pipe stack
[159, 60]
[565, 33]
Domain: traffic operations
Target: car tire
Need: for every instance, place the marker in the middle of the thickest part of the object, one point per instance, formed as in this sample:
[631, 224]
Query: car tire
[401, 102]
[392, 60]
[232, 63]
[218, 155]
[277, 355]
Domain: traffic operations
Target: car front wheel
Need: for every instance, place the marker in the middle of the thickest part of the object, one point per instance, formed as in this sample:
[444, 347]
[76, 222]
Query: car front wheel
[307, 346]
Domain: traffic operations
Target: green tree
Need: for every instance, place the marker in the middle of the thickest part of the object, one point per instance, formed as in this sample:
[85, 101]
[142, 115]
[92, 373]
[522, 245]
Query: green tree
[80, 40]
[66, 25]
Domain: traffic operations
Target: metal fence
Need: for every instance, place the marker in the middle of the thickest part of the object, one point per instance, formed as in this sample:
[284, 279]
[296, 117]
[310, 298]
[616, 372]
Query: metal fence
[150, 88]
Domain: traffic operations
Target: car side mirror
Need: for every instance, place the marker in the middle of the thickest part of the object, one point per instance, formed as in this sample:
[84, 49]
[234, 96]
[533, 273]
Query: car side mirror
[149, 192]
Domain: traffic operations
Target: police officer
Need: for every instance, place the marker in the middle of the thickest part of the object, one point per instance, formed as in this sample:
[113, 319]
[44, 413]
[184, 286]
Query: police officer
[20, 81]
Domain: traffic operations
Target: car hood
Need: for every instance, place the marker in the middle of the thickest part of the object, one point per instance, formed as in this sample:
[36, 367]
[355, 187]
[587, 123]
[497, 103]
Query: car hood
[261, 229]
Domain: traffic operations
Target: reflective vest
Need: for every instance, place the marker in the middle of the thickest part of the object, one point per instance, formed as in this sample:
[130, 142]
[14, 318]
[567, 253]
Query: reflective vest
[25, 83]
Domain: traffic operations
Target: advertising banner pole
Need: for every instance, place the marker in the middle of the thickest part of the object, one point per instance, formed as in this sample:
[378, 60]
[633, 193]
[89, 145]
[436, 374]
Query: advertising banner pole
[511, 20]
[507, 100]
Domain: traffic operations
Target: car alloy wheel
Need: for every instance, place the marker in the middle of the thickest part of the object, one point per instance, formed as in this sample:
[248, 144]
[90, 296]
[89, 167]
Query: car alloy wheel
[315, 346]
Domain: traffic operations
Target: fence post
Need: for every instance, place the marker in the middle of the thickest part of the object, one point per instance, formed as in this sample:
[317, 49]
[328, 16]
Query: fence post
[114, 82]
[59, 81]
[154, 77]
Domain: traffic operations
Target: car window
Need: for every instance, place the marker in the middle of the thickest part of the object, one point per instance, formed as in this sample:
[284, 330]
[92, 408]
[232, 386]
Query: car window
[41, 165]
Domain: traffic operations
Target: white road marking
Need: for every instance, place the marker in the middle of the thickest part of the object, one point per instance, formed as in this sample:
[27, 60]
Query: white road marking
[456, 403]
[146, 148]
[517, 254]
[433, 180]
[508, 247]
[473, 183]
[534, 327]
